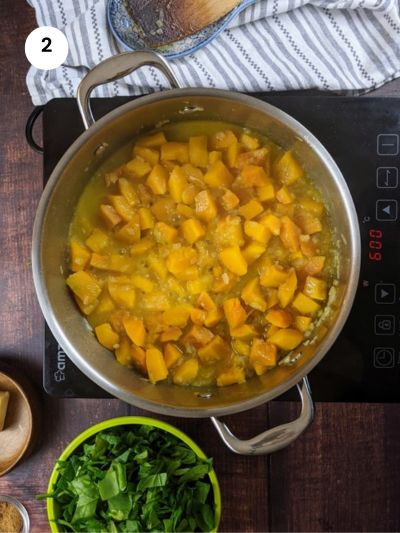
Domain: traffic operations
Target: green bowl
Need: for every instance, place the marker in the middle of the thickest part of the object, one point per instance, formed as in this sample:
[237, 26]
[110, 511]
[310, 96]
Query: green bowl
[52, 510]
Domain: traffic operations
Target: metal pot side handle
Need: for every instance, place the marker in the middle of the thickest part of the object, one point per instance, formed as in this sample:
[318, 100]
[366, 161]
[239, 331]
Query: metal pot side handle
[276, 438]
[112, 69]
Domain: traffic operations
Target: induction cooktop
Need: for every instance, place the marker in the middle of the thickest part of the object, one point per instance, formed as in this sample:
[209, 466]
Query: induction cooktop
[363, 136]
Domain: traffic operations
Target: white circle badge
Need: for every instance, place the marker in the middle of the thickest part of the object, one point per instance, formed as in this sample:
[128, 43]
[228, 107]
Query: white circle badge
[46, 48]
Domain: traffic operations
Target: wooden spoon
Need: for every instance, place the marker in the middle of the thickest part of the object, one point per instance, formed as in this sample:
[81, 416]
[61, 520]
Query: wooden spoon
[165, 21]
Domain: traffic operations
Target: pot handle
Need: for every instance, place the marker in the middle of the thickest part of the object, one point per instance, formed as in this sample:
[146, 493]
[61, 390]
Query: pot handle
[112, 69]
[276, 438]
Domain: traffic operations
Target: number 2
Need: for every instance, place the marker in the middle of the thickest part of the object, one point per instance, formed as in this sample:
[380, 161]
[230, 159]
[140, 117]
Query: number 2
[46, 47]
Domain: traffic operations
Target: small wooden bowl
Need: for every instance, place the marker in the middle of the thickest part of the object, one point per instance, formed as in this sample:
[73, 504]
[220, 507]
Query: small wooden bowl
[18, 428]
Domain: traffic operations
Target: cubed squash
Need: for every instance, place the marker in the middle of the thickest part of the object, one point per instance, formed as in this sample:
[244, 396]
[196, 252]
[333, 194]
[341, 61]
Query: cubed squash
[241, 347]
[231, 376]
[228, 232]
[135, 330]
[218, 175]
[314, 265]
[120, 263]
[272, 297]
[141, 247]
[150, 155]
[109, 215]
[233, 259]
[157, 180]
[102, 262]
[273, 276]
[85, 286]
[302, 323]
[122, 294]
[186, 372]
[308, 223]
[223, 139]
[263, 353]
[138, 358]
[257, 231]
[97, 240]
[284, 196]
[307, 246]
[287, 169]
[156, 367]
[181, 259]
[252, 157]
[244, 332]
[254, 176]
[251, 209]
[164, 210]
[107, 336]
[146, 219]
[266, 192]
[171, 334]
[312, 206]
[249, 142]
[272, 222]
[290, 234]
[158, 266]
[175, 151]
[287, 339]
[213, 156]
[315, 288]
[229, 200]
[287, 289]
[128, 191]
[234, 312]
[198, 316]
[177, 315]
[232, 153]
[177, 183]
[164, 233]
[205, 301]
[123, 352]
[252, 295]
[130, 232]
[305, 305]
[79, 256]
[214, 316]
[193, 230]
[106, 304]
[172, 354]
[279, 318]
[198, 336]
[215, 350]
[206, 208]
[142, 283]
[152, 140]
[137, 168]
[253, 251]
[198, 151]
[185, 210]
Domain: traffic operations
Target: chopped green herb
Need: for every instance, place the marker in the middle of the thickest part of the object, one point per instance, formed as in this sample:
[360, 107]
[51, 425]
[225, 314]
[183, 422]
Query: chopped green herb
[134, 480]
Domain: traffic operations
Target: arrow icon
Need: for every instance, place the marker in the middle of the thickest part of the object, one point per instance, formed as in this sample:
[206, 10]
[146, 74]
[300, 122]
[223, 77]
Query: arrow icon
[387, 210]
[384, 293]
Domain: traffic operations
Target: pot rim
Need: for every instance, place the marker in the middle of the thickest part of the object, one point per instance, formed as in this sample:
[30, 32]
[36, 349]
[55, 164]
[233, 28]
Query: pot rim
[197, 412]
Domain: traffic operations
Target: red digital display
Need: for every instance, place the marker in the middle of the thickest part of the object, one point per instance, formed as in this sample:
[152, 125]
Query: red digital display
[375, 244]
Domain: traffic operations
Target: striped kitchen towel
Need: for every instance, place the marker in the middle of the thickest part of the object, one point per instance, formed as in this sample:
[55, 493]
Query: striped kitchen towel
[274, 45]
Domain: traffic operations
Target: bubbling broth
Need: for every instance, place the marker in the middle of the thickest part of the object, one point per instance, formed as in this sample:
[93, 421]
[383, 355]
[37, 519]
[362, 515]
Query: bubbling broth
[202, 254]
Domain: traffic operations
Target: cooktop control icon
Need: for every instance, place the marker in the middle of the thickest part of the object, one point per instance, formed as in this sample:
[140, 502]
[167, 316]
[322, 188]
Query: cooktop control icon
[385, 325]
[384, 357]
[386, 210]
[385, 293]
[388, 144]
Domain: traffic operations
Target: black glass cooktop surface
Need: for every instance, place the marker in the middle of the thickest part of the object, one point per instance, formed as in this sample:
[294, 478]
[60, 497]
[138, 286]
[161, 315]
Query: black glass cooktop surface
[363, 136]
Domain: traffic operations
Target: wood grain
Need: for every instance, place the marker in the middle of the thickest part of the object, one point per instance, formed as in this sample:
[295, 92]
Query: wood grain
[343, 474]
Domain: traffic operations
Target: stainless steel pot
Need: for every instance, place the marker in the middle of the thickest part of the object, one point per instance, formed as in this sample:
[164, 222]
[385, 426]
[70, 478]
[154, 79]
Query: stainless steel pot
[55, 211]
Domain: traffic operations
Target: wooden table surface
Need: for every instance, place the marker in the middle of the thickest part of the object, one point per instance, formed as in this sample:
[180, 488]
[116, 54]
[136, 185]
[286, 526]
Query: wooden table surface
[343, 474]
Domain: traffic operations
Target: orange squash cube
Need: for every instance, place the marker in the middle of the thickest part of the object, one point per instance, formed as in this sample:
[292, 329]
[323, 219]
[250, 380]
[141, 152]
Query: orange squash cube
[263, 353]
[233, 259]
[234, 312]
[138, 358]
[172, 354]
[146, 219]
[244, 332]
[254, 176]
[223, 139]
[148, 154]
[251, 209]
[84, 286]
[215, 350]
[152, 140]
[137, 168]
[253, 251]
[198, 151]
[213, 156]
[252, 295]
[287, 289]
[249, 142]
[177, 183]
[266, 192]
[130, 232]
[135, 330]
[283, 196]
[79, 256]
[279, 318]
[206, 208]
[218, 175]
[175, 151]
[302, 323]
[305, 305]
[180, 260]
[157, 180]
[128, 192]
[164, 233]
[109, 215]
[287, 339]
[272, 222]
[290, 234]
[198, 336]
[107, 336]
[97, 241]
[123, 352]
[315, 288]
[177, 315]
[287, 169]
[231, 376]
[257, 231]
[229, 200]
[273, 276]
[155, 364]
[122, 294]
[186, 372]
[193, 230]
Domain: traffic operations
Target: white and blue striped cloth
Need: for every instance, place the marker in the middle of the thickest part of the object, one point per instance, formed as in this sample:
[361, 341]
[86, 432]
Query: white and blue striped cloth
[274, 45]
